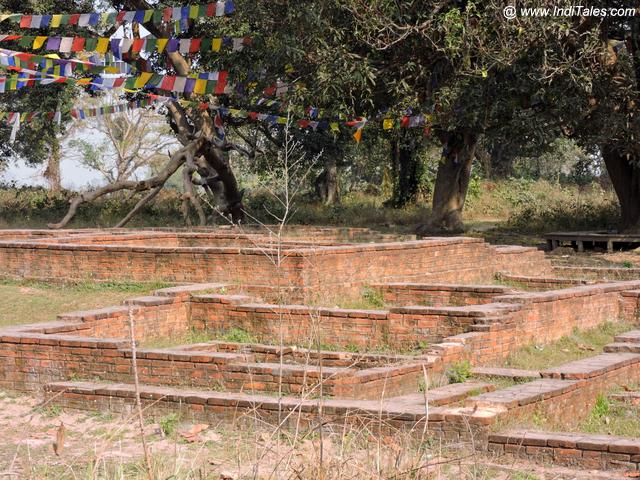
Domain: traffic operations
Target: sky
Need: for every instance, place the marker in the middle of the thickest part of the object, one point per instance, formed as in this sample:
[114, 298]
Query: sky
[74, 176]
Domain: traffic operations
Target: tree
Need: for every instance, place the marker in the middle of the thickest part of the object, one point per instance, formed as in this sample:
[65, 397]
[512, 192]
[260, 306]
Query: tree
[134, 140]
[39, 139]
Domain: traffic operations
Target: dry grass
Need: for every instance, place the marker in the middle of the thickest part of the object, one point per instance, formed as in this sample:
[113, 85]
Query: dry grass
[580, 344]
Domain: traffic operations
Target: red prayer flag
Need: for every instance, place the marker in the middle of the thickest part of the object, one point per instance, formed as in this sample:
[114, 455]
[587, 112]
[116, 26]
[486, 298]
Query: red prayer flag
[166, 14]
[73, 20]
[137, 45]
[25, 21]
[211, 10]
[222, 82]
[195, 45]
[78, 44]
[120, 17]
[167, 82]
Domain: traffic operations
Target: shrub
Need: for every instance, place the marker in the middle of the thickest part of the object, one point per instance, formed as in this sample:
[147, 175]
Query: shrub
[459, 372]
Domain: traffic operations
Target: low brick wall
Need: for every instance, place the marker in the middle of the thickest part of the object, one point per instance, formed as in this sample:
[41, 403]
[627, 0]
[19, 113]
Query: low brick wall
[597, 273]
[601, 452]
[399, 327]
[438, 295]
[307, 272]
[449, 425]
[542, 317]
[542, 283]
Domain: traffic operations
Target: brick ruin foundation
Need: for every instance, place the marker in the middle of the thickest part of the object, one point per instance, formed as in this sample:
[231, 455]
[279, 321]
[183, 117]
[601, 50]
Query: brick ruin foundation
[440, 297]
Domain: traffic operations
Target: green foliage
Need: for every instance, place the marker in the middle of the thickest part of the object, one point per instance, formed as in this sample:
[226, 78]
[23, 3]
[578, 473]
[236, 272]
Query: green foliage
[35, 207]
[50, 411]
[602, 407]
[169, 423]
[373, 297]
[459, 372]
[580, 344]
[237, 335]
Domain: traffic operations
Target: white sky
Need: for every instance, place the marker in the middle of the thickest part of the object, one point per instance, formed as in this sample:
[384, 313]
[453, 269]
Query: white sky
[74, 176]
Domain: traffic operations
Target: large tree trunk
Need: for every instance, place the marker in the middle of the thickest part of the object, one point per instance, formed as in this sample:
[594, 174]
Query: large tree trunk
[328, 183]
[502, 159]
[219, 162]
[52, 172]
[452, 182]
[625, 177]
[406, 169]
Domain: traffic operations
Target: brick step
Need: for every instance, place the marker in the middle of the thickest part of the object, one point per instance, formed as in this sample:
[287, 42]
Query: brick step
[622, 347]
[600, 452]
[592, 366]
[523, 394]
[626, 397]
[445, 395]
[509, 373]
[628, 337]
[87, 395]
[275, 369]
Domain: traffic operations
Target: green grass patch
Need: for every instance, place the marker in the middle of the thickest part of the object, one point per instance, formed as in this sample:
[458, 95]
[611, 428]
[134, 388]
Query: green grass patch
[236, 335]
[189, 337]
[613, 418]
[580, 344]
[36, 301]
[370, 299]
[459, 372]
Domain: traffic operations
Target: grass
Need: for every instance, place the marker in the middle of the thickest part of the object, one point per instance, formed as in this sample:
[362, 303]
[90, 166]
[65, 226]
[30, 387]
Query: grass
[613, 418]
[32, 302]
[370, 299]
[187, 338]
[580, 344]
[459, 372]
[512, 205]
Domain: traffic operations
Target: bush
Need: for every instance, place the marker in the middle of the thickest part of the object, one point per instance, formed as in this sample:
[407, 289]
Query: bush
[459, 372]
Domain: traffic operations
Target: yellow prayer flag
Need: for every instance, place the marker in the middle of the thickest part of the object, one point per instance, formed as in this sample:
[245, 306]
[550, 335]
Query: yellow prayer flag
[216, 44]
[39, 42]
[103, 45]
[282, 120]
[161, 43]
[334, 127]
[142, 80]
[55, 21]
[148, 15]
[200, 87]
[387, 124]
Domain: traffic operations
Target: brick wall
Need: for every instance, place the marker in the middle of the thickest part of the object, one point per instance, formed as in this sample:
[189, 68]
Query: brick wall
[585, 451]
[542, 283]
[542, 317]
[437, 295]
[307, 273]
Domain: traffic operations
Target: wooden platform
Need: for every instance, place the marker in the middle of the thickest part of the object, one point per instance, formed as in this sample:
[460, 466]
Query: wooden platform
[582, 240]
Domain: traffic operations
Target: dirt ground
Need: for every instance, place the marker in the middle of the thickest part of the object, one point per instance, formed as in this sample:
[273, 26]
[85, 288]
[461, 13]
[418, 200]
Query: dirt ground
[45, 442]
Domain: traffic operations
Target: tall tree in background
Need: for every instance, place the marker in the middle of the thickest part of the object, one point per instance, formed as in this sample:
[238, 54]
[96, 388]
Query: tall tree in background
[134, 140]
[38, 141]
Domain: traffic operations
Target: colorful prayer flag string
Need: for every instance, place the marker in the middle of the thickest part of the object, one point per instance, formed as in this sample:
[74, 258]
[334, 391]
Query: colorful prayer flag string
[122, 46]
[157, 16]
